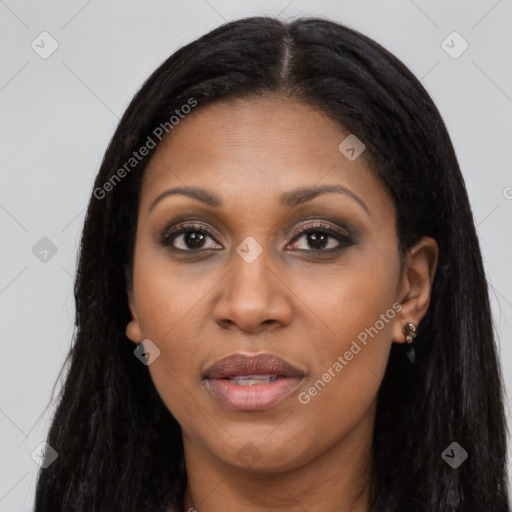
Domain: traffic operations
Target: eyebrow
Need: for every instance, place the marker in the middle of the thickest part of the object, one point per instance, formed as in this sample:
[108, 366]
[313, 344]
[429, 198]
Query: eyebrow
[290, 198]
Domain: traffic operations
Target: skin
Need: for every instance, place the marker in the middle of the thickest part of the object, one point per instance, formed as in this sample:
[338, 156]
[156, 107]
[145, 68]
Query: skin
[198, 307]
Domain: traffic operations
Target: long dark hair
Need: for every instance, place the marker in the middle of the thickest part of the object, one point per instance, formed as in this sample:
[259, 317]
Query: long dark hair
[119, 446]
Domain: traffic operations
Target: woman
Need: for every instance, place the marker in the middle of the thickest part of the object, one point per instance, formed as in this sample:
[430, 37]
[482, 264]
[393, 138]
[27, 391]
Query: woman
[280, 297]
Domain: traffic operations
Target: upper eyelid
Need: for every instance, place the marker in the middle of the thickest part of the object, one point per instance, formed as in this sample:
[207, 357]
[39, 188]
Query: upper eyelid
[321, 225]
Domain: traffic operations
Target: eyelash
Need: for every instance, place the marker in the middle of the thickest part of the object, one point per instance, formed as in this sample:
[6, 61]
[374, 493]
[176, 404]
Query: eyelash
[343, 237]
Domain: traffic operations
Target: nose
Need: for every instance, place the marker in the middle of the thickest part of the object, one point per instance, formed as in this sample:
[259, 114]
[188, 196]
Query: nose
[254, 297]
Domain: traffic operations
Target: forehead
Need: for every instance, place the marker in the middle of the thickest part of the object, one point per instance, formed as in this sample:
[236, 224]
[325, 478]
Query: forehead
[258, 147]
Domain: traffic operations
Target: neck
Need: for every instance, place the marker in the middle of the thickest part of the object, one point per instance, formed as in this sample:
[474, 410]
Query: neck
[338, 479]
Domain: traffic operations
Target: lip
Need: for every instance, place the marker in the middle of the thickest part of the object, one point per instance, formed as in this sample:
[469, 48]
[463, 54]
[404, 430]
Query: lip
[222, 377]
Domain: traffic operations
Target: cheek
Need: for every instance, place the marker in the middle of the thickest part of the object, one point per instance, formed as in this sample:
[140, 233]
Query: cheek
[166, 321]
[357, 309]
[169, 306]
[350, 298]
[169, 296]
[165, 308]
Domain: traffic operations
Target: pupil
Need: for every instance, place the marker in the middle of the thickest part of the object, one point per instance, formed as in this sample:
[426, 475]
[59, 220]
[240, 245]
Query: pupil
[194, 239]
[317, 240]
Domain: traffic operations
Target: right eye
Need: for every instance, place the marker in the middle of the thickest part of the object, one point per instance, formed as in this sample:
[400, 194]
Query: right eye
[187, 238]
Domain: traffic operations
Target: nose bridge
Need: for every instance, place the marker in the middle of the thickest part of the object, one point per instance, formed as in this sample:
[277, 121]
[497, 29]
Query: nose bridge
[253, 294]
[250, 276]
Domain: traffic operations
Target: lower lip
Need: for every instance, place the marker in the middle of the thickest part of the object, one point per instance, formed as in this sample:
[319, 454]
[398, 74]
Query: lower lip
[256, 397]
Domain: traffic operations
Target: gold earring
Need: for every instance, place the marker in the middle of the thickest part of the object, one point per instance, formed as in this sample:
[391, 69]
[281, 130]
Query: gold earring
[410, 331]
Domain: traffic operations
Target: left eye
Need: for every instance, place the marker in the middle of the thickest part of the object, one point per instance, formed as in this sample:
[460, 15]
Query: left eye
[192, 237]
[317, 239]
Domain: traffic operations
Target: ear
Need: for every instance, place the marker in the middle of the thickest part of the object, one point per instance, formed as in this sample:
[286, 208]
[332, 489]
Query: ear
[133, 330]
[416, 285]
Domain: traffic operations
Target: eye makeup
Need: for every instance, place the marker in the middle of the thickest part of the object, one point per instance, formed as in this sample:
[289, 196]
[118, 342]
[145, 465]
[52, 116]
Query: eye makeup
[193, 234]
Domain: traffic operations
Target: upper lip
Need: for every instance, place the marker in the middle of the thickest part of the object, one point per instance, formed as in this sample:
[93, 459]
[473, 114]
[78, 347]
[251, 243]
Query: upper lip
[259, 364]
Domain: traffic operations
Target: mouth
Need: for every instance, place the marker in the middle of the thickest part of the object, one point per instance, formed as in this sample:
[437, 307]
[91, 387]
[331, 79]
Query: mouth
[252, 383]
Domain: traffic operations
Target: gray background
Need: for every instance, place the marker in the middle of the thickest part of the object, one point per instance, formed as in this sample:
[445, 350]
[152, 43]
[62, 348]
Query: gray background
[59, 113]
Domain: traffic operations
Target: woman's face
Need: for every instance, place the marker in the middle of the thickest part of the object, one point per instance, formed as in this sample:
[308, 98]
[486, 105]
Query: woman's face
[242, 280]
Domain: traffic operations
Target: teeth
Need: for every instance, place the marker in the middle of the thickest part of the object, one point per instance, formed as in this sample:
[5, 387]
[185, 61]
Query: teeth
[249, 380]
